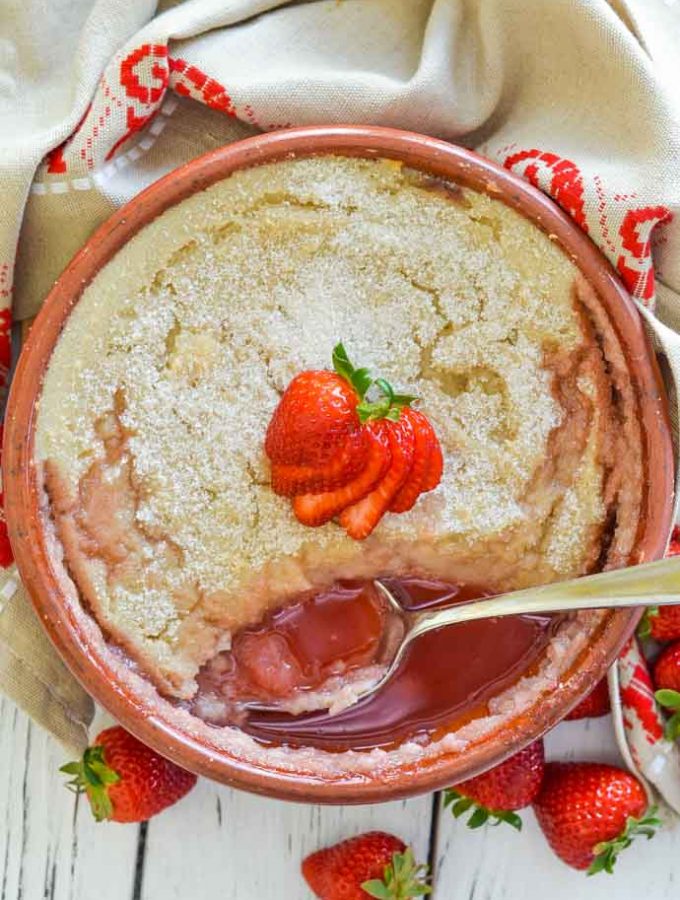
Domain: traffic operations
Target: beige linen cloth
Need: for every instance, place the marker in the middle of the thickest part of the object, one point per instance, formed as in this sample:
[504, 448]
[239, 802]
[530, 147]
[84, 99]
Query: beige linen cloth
[99, 99]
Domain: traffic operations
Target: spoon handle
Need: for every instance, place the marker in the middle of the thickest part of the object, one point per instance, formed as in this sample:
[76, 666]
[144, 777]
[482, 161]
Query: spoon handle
[656, 583]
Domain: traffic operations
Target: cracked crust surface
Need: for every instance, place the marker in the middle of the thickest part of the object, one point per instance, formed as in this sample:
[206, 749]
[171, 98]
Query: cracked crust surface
[156, 401]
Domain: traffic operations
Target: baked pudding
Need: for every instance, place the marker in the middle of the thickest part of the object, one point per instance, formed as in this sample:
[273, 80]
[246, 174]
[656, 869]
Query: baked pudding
[153, 413]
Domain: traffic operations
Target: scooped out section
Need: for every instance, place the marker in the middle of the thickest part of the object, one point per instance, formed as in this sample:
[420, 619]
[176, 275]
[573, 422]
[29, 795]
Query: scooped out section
[321, 643]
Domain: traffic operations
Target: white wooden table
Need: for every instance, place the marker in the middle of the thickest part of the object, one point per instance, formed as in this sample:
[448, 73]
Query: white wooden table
[219, 844]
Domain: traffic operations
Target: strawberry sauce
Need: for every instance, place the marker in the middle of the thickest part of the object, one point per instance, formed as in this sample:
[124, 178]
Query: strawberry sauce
[447, 677]
[300, 646]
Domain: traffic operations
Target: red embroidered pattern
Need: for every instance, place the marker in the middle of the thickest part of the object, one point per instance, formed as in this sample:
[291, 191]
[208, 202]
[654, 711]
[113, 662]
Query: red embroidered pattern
[5, 342]
[144, 75]
[561, 178]
[637, 695]
[624, 236]
[56, 164]
[634, 263]
[56, 159]
[5, 272]
[188, 81]
[129, 95]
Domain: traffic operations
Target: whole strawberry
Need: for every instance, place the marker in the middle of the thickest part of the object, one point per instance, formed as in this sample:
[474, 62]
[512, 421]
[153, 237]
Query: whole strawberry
[667, 682]
[674, 543]
[590, 812]
[661, 623]
[374, 864]
[496, 794]
[594, 704]
[126, 781]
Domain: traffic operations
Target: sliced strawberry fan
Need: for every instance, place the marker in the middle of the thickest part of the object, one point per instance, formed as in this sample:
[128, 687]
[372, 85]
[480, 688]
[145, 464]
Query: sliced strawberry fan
[343, 445]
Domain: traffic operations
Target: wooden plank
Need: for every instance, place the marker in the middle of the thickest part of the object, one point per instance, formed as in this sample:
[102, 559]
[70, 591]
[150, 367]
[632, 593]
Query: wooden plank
[50, 847]
[219, 842]
[224, 843]
[500, 864]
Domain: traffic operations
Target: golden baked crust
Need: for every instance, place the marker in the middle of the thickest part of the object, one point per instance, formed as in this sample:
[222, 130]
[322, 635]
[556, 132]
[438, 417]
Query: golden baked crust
[156, 401]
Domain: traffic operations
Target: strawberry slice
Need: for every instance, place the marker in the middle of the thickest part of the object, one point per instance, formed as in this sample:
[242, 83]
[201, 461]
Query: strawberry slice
[360, 519]
[288, 480]
[435, 466]
[426, 462]
[317, 509]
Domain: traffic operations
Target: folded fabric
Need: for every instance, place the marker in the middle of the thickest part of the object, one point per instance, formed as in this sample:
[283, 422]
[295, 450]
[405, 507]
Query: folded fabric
[577, 96]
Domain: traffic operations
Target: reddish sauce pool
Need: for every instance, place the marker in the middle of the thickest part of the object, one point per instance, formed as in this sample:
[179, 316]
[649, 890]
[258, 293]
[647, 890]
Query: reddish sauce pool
[448, 676]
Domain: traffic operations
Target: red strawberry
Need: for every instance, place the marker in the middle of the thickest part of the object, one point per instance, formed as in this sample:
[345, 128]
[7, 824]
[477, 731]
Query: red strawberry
[667, 668]
[316, 509]
[594, 704]
[360, 519]
[495, 794]
[435, 468]
[426, 467]
[590, 812]
[351, 459]
[662, 623]
[674, 543]
[374, 864]
[315, 416]
[125, 780]
[667, 682]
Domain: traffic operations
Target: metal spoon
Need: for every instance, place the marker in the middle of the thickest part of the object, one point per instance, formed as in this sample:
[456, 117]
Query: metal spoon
[655, 583]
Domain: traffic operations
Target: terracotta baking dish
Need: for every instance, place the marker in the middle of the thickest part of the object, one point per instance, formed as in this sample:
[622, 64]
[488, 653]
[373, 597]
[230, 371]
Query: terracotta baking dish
[86, 657]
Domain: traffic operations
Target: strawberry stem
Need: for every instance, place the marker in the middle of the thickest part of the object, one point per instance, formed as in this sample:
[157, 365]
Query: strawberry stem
[402, 879]
[387, 406]
[480, 815]
[607, 852]
[93, 776]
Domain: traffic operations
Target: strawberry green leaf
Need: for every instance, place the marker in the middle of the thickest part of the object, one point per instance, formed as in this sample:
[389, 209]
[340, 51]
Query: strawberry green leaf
[644, 629]
[459, 804]
[94, 777]
[670, 700]
[360, 379]
[402, 879]
[377, 888]
[607, 852]
[478, 818]
[510, 818]
[672, 729]
[386, 406]
[401, 400]
[341, 362]
[480, 814]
